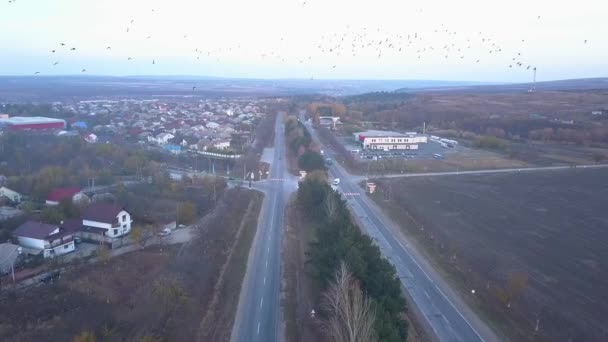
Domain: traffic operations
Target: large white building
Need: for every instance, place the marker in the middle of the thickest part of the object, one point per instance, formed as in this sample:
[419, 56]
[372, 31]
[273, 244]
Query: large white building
[386, 140]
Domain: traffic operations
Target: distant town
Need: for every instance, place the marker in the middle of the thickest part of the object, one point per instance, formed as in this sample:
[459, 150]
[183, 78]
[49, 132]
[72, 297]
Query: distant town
[205, 125]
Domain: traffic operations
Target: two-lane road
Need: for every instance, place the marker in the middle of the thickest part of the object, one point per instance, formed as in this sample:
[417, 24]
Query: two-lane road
[259, 314]
[444, 318]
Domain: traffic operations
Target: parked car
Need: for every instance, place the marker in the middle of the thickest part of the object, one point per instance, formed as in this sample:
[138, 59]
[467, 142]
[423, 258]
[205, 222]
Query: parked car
[165, 232]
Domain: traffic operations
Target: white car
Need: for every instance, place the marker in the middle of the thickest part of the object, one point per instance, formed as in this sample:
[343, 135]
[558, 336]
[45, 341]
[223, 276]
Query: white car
[165, 232]
[336, 181]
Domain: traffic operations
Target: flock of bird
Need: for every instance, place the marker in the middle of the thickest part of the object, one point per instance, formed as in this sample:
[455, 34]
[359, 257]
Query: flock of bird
[353, 43]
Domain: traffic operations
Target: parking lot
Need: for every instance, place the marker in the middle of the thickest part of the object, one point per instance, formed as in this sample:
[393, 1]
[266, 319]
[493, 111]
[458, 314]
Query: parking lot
[424, 152]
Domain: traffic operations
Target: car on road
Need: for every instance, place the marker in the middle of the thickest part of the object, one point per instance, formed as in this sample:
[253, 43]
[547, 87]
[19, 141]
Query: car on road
[336, 181]
[165, 232]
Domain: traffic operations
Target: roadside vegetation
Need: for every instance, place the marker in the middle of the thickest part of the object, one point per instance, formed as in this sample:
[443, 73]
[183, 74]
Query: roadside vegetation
[339, 240]
[303, 152]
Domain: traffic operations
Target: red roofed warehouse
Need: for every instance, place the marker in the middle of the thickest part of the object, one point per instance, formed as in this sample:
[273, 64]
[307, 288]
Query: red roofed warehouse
[17, 123]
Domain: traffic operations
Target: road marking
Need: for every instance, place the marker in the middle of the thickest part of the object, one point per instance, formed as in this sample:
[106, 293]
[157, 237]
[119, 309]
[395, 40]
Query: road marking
[261, 302]
[258, 327]
[266, 263]
[427, 294]
[264, 280]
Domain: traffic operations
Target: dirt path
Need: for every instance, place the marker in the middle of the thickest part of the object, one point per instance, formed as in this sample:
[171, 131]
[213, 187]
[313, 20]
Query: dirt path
[216, 324]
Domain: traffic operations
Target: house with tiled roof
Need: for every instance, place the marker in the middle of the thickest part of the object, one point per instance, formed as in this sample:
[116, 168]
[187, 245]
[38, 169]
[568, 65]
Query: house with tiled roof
[105, 220]
[48, 239]
[59, 194]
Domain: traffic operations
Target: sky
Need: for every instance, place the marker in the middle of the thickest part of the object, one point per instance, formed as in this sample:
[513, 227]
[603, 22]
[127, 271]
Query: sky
[466, 40]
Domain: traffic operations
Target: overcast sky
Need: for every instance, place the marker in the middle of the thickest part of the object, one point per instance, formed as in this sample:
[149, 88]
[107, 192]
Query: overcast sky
[293, 38]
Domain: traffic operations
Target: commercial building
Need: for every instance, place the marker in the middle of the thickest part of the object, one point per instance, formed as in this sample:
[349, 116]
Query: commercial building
[386, 140]
[18, 123]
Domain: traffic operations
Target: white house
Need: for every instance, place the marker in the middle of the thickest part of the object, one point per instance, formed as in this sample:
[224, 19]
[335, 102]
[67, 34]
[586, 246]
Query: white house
[49, 239]
[12, 195]
[212, 125]
[222, 144]
[162, 138]
[90, 138]
[107, 220]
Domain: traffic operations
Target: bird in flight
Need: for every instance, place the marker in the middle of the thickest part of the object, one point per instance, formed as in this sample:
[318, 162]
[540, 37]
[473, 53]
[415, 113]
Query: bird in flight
[73, 49]
[153, 62]
[62, 44]
[193, 88]
[109, 48]
[129, 58]
[52, 51]
[84, 70]
[37, 72]
[55, 63]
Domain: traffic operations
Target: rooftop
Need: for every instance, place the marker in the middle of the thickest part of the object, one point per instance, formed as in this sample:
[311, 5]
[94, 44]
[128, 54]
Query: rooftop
[56, 195]
[102, 212]
[376, 133]
[29, 120]
[35, 230]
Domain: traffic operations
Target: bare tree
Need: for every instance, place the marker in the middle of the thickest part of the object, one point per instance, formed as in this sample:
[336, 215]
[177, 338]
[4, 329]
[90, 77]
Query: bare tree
[330, 206]
[351, 315]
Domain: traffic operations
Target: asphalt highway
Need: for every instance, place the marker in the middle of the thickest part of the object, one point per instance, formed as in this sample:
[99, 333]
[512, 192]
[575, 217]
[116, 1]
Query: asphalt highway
[259, 314]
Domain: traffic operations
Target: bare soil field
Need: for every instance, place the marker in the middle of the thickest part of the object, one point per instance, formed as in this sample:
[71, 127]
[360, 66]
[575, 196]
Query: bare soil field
[158, 294]
[533, 246]
[538, 153]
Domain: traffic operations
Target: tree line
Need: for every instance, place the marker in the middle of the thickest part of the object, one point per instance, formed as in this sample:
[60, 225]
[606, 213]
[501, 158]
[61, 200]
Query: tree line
[339, 239]
[301, 146]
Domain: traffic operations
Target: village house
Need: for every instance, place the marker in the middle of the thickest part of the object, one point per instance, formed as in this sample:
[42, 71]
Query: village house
[103, 220]
[60, 194]
[12, 195]
[47, 239]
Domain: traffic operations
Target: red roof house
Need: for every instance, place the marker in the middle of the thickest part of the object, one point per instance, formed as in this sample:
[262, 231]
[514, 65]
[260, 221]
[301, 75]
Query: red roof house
[59, 194]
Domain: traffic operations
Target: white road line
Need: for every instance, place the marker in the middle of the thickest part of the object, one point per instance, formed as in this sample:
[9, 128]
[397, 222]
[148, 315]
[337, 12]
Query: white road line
[266, 263]
[264, 280]
[261, 302]
[258, 327]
